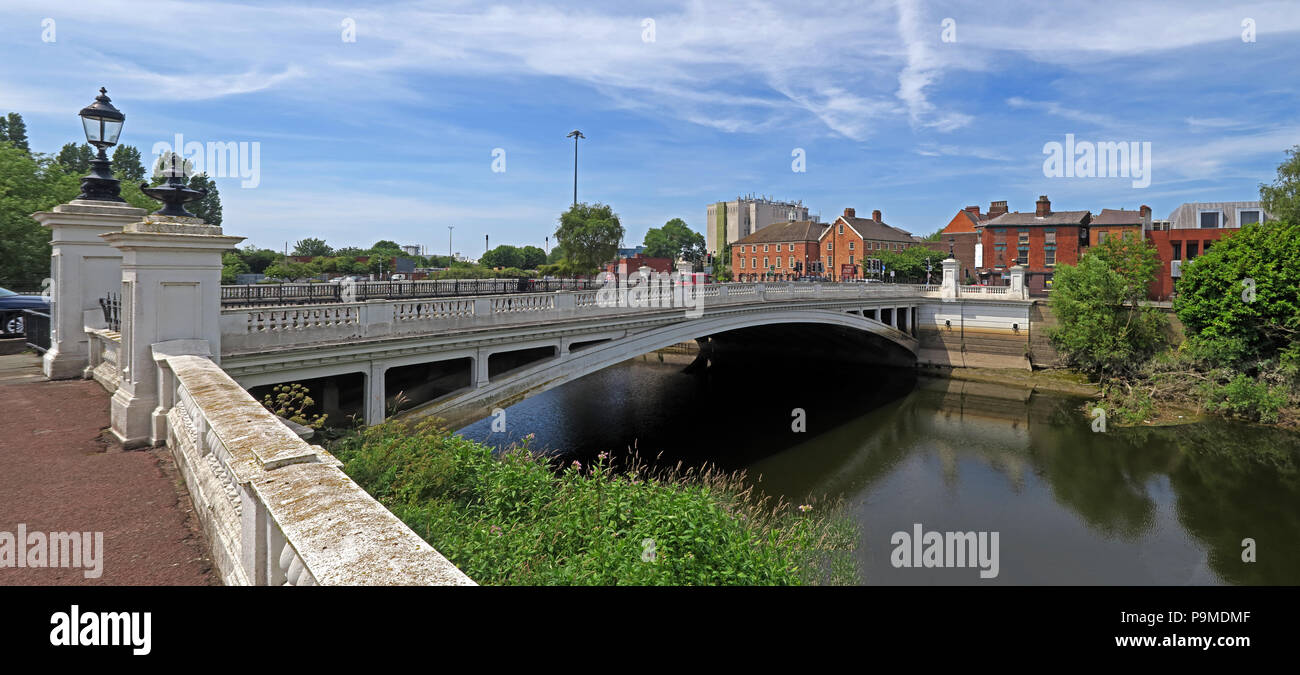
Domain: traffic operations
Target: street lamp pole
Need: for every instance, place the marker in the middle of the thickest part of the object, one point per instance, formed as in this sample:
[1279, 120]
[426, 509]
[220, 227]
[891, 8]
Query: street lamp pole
[575, 135]
[449, 255]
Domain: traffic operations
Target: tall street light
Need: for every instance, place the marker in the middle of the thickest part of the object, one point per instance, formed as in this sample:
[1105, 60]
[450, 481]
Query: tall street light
[103, 124]
[575, 135]
[449, 255]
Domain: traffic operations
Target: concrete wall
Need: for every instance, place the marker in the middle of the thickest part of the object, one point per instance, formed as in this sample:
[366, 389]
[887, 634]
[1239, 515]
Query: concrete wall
[974, 334]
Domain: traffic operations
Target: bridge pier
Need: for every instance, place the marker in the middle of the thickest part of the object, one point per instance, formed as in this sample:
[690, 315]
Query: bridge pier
[375, 394]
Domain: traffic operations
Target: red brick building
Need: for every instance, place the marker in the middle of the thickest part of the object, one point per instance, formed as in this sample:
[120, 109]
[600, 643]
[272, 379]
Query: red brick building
[780, 251]
[1039, 241]
[960, 236]
[850, 246]
[1192, 228]
[1119, 223]
[629, 266]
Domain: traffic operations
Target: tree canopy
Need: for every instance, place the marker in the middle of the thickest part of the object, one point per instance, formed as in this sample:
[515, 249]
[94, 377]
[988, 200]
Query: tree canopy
[675, 240]
[590, 235]
[1282, 197]
[312, 247]
[1104, 328]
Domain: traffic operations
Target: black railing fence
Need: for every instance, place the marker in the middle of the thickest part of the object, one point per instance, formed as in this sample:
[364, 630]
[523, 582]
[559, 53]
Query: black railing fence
[325, 292]
[36, 329]
[112, 306]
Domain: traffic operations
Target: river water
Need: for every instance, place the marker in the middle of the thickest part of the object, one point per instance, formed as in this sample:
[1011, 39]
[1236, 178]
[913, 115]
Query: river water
[1169, 505]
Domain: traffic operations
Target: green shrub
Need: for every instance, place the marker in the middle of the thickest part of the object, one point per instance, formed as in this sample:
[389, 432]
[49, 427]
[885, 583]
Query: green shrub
[1246, 398]
[516, 520]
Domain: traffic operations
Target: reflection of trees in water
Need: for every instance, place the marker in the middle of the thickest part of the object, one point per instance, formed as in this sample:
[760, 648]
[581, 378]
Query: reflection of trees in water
[1237, 481]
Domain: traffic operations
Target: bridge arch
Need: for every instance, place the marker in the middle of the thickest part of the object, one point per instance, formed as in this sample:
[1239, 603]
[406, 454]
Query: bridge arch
[468, 406]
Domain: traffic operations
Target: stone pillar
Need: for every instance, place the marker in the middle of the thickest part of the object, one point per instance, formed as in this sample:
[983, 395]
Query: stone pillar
[171, 290]
[481, 368]
[1018, 289]
[948, 288]
[84, 268]
[376, 395]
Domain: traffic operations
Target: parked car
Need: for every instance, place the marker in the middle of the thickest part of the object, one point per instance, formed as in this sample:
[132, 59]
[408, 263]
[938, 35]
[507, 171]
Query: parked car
[11, 310]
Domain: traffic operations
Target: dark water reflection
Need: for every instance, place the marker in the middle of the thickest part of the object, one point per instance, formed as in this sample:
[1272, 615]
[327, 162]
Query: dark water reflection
[1137, 506]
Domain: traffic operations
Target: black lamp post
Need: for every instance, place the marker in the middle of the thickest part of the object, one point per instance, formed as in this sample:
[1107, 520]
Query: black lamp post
[575, 135]
[103, 124]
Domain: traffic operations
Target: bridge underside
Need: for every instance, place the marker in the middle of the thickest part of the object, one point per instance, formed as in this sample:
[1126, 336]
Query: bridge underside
[827, 336]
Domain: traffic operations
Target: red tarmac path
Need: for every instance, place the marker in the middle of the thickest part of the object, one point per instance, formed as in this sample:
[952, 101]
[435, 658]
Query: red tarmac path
[58, 474]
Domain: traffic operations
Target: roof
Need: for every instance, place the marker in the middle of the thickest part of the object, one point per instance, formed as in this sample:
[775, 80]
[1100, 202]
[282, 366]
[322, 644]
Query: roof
[798, 230]
[874, 229]
[1018, 219]
[1118, 217]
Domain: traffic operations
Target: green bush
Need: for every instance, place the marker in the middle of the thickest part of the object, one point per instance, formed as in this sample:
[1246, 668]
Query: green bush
[513, 519]
[1247, 398]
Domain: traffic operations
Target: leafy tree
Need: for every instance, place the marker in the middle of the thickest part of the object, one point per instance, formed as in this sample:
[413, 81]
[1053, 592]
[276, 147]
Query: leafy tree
[1104, 328]
[293, 271]
[555, 256]
[909, 262]
[349, 252]
[386, 247]
[127, 164]
[533, 257]
[231, 265]
[14, 130]
[312, 247]
[590, 235]
[1240, 300]
[75, 159]
[28, 184]
[1282, 198]
[503, 256]
[675, 240]
[258, 259]
[208, 208]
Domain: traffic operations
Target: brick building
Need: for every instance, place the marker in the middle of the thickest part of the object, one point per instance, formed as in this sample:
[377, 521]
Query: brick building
[961, 236]
[850, 245]
[1192, 228]
[1039, 241]
[1119, 223]
[628, 266]
[781, 251]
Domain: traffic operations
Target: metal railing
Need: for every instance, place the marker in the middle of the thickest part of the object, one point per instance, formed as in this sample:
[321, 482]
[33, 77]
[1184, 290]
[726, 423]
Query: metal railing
[36, 329]
[332, 292]
[112, 306]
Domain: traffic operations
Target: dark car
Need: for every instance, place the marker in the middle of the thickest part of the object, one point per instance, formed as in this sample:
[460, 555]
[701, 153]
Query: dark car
[11, 310]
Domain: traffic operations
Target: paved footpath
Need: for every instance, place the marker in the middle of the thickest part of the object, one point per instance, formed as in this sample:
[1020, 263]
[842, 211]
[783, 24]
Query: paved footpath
[58, 474]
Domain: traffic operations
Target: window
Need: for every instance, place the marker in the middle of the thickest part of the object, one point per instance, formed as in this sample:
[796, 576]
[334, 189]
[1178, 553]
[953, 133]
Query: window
[1022, 255]
[765, 248]
[1205, 245]
[1191, 250]
[830, 246]
[778, 261]
[851, 245]
[753, 262]
[742, 263]
[791, 262]
[765, 262]
[1049, 255]
[1101, 236]
[1247, 217]
[841, 228]
[1024, 237]
[1208, 219]
[1178, 250]
[1049, 237]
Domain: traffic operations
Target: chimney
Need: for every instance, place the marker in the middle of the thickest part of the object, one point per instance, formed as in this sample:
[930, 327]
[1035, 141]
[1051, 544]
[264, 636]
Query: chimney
[875, 215]
[974, 211]
[997, 208]
[850, 213]
[1146, 216]
[1044, 206]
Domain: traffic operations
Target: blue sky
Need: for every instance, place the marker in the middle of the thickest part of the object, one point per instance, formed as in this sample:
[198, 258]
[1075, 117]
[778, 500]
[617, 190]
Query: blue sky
[391, 136]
